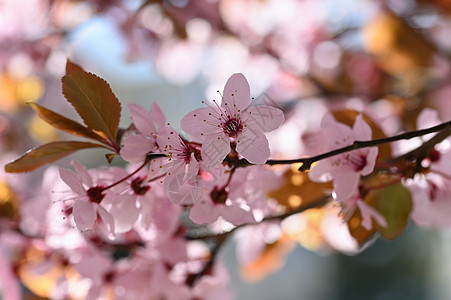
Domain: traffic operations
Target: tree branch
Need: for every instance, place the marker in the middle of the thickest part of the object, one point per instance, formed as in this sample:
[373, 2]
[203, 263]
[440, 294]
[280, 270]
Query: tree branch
[220, 236]
[444, 129]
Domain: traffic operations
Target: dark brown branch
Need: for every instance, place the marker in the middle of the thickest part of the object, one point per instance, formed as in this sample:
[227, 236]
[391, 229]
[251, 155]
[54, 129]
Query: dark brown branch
[219, 236]
[444, 129]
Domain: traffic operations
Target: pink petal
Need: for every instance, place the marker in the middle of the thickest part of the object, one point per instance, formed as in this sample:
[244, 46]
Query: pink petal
[173, 250]
[428, 118]
[147, 204]
[237, 215]
[165, 215]
[361, 129]
[41, 268]
[204, 213]
[263, 117]
[253, 146]
[157, 115]
[83, 172]
[193, 167]
[94, 263]
[168, 139]
[321, 171]
[125, 213]
[237, 93]
[367, 212]
[176, 167]
[181, 191]
[9, 285]
[214, 150]
[73, 180]
[142, 119]
[200, 123]
[336, 134]
[345, 185]
[107, 218]
[95, 292]
[215, 286]
[136, 148]
[84, 215]
[371, 157]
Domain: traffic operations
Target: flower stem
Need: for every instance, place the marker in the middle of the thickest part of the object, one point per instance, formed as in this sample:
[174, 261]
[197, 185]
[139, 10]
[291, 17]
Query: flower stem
[149, 157]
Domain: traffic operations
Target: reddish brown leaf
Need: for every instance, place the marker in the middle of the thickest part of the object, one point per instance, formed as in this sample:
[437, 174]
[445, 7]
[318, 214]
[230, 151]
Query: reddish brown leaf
[398, 47]
[65, 124]
[94, 101]
[9, 204]
[270, 260]
[358, 232]
[299, 191]
[109, 157]
[45, 154]
[72, 68]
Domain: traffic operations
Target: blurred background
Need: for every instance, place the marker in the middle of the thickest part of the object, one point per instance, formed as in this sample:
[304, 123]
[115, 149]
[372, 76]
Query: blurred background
[390, 59]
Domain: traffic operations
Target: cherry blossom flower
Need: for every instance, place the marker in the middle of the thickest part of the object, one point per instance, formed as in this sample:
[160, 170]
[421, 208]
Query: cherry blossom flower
[207, 212]
[94, 264]
[344, 169]
[431, 193]
[88, 198]
[431, 200]
[218, 203]
[240, 201]
[236, 121]
[367, 212]
[252, 240]
[215, 286]
[180, 152]
[182, 167]
[137, 146]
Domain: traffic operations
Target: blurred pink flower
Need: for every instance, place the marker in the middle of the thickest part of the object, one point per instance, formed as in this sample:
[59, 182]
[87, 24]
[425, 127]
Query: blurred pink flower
[215, 286]
[431, 193]
[240, 201]
[344, 169]
[9, 283]
[367, 212]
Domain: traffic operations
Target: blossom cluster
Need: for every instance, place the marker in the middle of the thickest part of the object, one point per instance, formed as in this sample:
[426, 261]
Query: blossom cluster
[128, 232]
[355, 145]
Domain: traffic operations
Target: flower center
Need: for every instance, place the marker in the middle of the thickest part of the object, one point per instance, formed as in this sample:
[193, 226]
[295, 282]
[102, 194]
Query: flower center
[138, 187]
[189, 148]
[219, 196]
[232, 127]
[95, 194]
[359, 161]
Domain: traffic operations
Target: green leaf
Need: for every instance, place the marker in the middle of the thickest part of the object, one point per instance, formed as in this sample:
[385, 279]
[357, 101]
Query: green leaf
[72, 68]
[45, 154]
[65, 124]
[395, 204]
[94, 101]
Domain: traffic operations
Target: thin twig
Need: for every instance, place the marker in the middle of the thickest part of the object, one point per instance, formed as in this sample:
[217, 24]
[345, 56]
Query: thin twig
[318, 203]
[308, 161]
